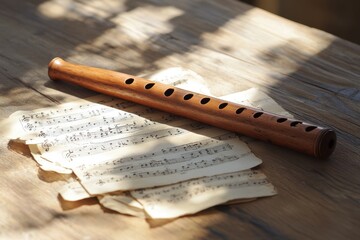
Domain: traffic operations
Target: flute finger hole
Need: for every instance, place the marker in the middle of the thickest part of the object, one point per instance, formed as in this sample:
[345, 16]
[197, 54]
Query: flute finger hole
[310, 128]
[258, 114]
[149, 85]
[205, 100]
[168, 92]
[295, 123]
[240, 110]
[129, 81]
[223, 105]
[280, 120]
[188, 96]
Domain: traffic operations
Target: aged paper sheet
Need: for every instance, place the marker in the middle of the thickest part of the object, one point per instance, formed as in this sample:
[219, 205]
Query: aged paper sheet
[195, 195]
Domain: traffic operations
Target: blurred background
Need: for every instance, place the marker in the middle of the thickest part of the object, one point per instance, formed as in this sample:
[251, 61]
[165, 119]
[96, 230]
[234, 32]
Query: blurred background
[339, 17]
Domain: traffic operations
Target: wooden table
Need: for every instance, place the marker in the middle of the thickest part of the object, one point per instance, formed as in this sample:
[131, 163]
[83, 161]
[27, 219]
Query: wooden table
[312, 74]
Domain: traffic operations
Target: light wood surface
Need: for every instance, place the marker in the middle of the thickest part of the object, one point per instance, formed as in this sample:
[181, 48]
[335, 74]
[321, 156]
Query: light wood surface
[312, 74]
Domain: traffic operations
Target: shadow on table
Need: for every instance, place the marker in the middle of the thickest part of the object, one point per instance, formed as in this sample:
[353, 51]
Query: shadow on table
[75, 28]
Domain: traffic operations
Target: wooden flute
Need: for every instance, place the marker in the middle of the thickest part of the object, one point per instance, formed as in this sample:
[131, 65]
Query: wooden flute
[294, 134]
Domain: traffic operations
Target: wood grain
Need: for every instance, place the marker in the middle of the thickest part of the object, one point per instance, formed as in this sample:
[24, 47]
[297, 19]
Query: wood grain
[312, 74]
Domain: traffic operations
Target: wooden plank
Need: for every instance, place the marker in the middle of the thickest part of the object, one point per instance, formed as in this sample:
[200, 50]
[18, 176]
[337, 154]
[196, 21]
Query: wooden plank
[312, 74]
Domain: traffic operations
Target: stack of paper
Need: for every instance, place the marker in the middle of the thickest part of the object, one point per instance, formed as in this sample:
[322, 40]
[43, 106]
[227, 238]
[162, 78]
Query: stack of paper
[140, 161]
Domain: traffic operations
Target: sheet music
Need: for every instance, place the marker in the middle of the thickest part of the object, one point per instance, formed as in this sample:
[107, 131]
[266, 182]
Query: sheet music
[91, 152]
[108, 172]
[180, 198]
[112, 145]
[198, 194]
[83, 144]
[154, 170]
[163, 153]
[193, 196]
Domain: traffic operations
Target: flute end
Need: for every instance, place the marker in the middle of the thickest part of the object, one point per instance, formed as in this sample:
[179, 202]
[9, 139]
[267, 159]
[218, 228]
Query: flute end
[326, 144]
[57, 61]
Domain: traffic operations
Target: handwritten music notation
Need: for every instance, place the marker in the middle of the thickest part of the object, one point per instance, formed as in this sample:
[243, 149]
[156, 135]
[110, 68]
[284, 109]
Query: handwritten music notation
[69, 113]
[159, 160]
[92, 143]
[178, 199]
[165, 164]
[111, 145]
[156, 169]
[175, 192]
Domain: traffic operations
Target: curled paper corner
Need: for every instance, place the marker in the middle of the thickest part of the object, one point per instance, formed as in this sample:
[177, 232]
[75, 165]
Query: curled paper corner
[124, 204]
[46, 165]
[73, 191]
